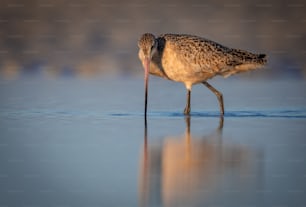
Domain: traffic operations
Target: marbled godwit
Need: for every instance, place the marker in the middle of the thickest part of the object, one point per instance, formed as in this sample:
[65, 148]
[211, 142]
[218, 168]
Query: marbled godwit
[192, 60]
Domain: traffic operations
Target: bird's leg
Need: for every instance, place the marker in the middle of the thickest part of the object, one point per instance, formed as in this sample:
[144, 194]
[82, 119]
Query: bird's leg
[218, 94]
[187, 108]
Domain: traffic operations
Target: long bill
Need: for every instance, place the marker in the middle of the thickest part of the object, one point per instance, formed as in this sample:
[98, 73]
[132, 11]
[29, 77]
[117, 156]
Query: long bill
[146, 80]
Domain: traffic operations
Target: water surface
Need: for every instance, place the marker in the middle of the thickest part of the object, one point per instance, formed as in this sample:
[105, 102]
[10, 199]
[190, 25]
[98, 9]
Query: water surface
[76, 142]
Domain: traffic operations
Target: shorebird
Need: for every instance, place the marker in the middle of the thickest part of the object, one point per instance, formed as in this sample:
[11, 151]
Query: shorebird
[191, 60]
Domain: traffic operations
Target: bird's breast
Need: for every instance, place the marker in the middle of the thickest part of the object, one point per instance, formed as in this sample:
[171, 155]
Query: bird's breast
[179, 69]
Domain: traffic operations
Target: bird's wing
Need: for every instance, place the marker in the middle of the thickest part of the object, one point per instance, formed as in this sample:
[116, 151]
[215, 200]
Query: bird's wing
[200, 52]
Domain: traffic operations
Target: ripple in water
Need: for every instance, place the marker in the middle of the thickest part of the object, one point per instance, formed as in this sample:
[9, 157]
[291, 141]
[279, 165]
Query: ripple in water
[286, 113]
[239, 114]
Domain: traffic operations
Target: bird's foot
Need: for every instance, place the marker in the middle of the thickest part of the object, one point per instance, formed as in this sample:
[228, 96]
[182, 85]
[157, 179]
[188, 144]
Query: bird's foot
[187, 111]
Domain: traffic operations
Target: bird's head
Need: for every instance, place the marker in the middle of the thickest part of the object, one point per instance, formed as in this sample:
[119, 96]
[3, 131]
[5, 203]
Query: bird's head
[147, 45]
[147, 48]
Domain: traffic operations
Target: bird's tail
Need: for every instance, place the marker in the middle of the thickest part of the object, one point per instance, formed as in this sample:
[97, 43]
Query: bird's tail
[260, 59]
[245, 57]
[242, 61]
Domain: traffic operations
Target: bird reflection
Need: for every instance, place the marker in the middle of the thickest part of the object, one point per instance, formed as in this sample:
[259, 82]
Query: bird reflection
[191, 171]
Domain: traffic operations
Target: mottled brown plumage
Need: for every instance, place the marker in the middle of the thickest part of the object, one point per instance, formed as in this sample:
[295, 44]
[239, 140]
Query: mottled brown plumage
[190, 59]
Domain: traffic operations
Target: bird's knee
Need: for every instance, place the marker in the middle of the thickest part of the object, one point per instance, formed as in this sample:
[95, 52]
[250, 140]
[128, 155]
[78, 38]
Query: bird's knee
[220, 95]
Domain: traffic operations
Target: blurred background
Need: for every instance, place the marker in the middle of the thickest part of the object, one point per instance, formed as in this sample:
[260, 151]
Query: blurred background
[91, 38]
[71, 111]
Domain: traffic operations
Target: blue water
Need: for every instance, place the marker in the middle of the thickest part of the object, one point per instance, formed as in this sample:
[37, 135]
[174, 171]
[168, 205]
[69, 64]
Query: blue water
[285, 113]
[83, 142]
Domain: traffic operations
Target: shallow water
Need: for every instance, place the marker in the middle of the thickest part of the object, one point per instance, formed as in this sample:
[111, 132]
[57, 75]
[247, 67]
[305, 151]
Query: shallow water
[74, 142]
